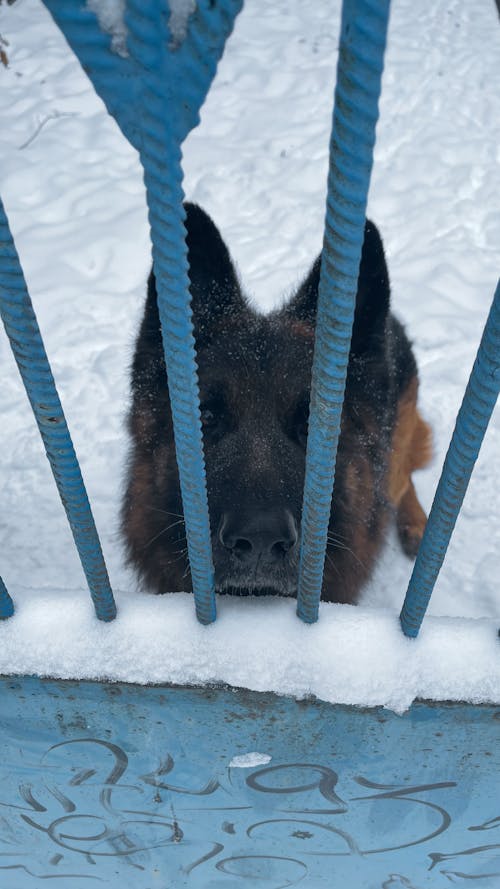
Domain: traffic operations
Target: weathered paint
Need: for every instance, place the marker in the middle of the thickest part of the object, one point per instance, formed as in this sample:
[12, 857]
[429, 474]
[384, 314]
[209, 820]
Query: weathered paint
[127, 786]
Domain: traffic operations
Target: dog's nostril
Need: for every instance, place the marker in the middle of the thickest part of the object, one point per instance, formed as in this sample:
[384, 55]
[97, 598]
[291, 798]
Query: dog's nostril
[266, 535]
[242, 547]
[280, 548]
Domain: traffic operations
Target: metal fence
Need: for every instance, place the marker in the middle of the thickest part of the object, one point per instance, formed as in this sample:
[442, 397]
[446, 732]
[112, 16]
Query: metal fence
[154, 88]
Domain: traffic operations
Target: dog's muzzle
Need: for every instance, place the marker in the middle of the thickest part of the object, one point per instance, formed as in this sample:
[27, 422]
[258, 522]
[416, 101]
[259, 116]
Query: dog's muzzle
[257, 552]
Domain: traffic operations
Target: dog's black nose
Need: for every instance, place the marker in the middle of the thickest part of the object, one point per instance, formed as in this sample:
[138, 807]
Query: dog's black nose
[269, 534]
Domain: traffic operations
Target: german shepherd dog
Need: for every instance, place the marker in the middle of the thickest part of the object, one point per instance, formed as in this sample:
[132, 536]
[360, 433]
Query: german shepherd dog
[254, 376]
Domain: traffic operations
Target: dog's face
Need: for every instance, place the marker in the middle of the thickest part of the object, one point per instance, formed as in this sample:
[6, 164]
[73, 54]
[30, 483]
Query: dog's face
[254, 390]
[254, 377]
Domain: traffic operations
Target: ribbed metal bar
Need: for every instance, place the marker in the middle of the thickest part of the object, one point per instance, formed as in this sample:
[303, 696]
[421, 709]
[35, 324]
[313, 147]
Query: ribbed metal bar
[6, 603]
[472, 421]
[115, 78]
[161, 158]
[118, 80]
[359, 72]
[20, 322]
[195, 60]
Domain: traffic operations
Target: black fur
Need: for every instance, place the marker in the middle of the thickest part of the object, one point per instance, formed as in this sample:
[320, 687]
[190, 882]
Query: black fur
[254, 374]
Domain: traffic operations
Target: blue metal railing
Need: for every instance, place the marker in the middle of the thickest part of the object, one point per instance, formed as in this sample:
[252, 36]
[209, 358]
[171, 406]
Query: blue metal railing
[472, 421]
[6, 603]
[20, 322]
[161, 159]
[363, 35]
[155, 94]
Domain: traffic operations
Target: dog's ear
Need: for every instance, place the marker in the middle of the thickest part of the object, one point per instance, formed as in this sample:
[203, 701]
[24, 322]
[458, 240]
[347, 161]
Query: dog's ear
[304, 304]
[214, 286]
[213, 282]
[372, 298]
[374, 293]
[215, 293]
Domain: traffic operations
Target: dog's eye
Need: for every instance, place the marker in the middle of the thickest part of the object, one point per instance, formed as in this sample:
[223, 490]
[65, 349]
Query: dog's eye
[215, 417]
[208, 418]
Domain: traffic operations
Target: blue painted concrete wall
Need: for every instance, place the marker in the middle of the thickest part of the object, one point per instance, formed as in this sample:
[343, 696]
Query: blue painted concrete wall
[123, 786]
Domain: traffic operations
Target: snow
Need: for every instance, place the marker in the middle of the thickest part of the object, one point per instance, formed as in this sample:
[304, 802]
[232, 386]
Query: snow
[180, 10]
[111, 17]
[353, 655]
[73, 192]
[249, 760]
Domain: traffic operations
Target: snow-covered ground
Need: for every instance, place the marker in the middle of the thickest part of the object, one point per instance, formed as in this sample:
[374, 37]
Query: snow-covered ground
[72, 188]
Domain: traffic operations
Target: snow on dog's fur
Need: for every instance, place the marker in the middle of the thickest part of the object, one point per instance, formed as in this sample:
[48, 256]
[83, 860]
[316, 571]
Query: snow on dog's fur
[254, 375]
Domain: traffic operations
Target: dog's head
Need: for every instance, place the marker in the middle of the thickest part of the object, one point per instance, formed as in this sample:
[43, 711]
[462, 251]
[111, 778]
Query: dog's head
[254, 378]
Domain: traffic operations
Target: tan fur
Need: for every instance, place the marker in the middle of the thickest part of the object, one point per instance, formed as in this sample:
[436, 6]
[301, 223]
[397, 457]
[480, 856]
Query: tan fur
[411, 449]
[352, 555]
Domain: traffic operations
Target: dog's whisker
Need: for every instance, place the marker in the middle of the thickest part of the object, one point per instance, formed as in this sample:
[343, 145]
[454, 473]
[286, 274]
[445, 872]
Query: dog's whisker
[163, 531]
[336, 545]
[338, 535]
[182, 555]
[332, 563]
[181, 552]
[176, 515]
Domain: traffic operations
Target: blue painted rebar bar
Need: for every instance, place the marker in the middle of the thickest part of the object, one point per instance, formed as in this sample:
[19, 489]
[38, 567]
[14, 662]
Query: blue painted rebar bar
[20, 322]
[6, 603]
[359, 72]
[187, 72]
[472, 421]
[115, 78]
[155, 94]
[161, 159]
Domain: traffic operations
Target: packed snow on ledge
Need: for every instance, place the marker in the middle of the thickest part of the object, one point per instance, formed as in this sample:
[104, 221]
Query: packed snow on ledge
[73, 191]
[353, 655]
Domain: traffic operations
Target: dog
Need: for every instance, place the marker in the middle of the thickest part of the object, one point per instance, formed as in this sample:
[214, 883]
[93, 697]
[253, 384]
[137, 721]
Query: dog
[254, 378]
